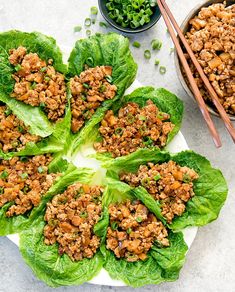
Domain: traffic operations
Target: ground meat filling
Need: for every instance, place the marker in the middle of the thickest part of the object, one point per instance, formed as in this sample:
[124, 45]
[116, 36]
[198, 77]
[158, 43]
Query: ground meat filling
[133, 128]
[70, 219]
[23, 182]
[37, 83]
[133, 230]
[212, 38]
[169, 183]
[14, 135]
[89, 90]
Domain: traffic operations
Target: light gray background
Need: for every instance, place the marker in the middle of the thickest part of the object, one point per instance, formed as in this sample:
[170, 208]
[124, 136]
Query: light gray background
[210, 261]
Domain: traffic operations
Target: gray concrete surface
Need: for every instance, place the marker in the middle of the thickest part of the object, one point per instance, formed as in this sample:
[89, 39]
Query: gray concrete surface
[210, 261]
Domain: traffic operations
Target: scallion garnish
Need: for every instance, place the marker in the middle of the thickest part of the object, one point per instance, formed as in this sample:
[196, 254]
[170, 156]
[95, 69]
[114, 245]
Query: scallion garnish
[20, 129]
[109, 78]
[1, 190]
[86, 85]
[94, 10]
[157, 177]
[119, 131]
[157, 62]
[77, 28]
[186, 178]
[93, 21]
[102, 88]
[33, 85]
[147, 54]
[87, 22]
[139, 219]
[18, 67]
[4, 174]
[136, 44]
[88, 32]
[129, 230]
[162, 70]
[114, 225]
[40, 169]
[24, 175]
[142, 118]
[103, 24]
[83, 214]
[156, 44]
[43, 69]
[8, 111]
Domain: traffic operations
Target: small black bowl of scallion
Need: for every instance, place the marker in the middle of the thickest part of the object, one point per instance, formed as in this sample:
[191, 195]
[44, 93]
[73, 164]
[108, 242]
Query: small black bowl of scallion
[130, 16]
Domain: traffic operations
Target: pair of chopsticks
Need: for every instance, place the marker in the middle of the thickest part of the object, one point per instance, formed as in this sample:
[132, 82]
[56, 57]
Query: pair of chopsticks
[170, 20]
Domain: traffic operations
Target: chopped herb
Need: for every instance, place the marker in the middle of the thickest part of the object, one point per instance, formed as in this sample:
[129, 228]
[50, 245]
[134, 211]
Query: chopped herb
[160, 115]
[8, 111]
[186, 178]
[52, 222]
[147, 54]
[157, 177]
[130, 118]
[83, 97]
[15, 144]
[42, 104]
[1, 190]
[88, 32]
[142, 118]
[20, 129]
[4, 174]
[162, 70]
[33, 85]
[26, 189]
[114, 225]
[90, 61]
[18, 67]
[93, 21]
[24, 175]
[157, 62]
[83, 214]
[87, 22]
[103, 24]
[77, 28]
[145, 181]
[109, 78]
[156, 44]
[102, 88]
[148, 141]
[24, 159]
[40, 169]
[47, 79]
[139, 219]
[129, 230]
[136, 44]
[94, 10]
[43, 69]
[119, 131]
[87, 86]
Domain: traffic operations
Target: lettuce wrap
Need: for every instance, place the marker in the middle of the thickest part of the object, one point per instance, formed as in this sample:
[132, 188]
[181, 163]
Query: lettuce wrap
[162, 264]
[210, 188]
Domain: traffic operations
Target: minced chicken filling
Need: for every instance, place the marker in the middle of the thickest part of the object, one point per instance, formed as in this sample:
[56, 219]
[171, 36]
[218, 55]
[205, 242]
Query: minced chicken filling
[37, 83]
[89, 90]
[133, 128]
[23, 181]
[14, 135]
[70, 218]
[168, 182]
[212, 39]
[133, 230]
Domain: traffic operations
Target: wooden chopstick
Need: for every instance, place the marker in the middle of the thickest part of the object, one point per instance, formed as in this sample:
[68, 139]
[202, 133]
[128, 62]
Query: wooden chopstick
[196, 91]
[215, 99]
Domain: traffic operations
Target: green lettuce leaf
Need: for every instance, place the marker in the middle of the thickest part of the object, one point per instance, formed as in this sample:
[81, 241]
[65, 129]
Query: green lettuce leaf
[34, 117]
[210, 188]
[102, 49]
[70, 173]
[162, 264]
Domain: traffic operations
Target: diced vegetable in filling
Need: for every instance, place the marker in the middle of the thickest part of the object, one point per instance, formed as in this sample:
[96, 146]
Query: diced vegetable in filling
[14, 135]
[169, 183]
[70, 218]
[133, 128]
[89, 90]
[133, 230]
[23, 181]
[38, 83]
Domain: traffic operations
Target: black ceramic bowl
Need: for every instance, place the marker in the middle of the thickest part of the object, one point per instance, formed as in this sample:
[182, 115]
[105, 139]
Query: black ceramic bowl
[153, 19]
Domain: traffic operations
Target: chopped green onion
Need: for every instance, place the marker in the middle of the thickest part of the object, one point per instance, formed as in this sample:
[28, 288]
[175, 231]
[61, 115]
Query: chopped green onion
[88, 32]
[4, 174]
[156, 44]
[87, 22]
[1, 190]
[157, 177]
[33, 85]
[129, 230]
[83, 214]
[119, 131]
[26, 189]
[18, 67]
[20, 129]
[103, 24]
[94, 10]
[157, 62]
[160, 115]
[148, 141]
[145, 181]
[162, 70]
[24, 175]
[186, 178]
[86, 85]
[43, 69]
[42, 104]
[90, 61]
[77, 28]
[102, 88]
[109, 78]
[47, 79]
[136, 44]
[114, 225]
[8, 111]
[142, 118]
[147, 54]
[130, 118]
[24, 159]
[93, 21]
[139, 219]
[40, 169]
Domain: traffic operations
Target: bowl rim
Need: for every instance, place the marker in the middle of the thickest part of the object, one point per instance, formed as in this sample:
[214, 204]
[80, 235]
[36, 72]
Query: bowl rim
[183, 28]
[126, 29]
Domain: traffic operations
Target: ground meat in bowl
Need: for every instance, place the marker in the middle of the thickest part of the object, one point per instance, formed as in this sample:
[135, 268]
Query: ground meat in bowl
[89, 90]
[70, 218]
[168, 182]
[38, 83]
[14, 135]
[23, 181]
[211, 36]
[133, 230]
[133, 128]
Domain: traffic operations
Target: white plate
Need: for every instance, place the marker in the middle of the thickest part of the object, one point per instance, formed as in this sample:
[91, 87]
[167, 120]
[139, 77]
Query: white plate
[178, 144]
